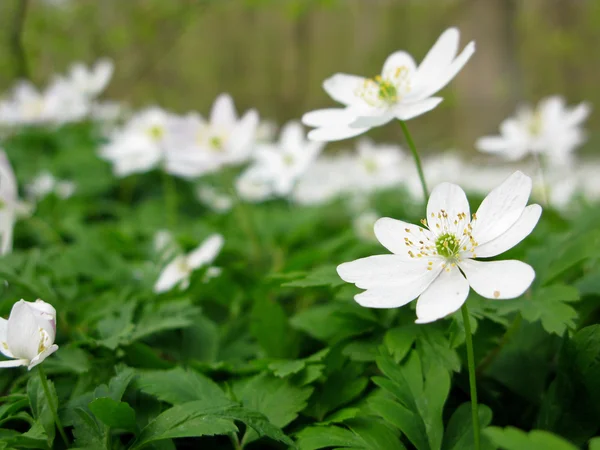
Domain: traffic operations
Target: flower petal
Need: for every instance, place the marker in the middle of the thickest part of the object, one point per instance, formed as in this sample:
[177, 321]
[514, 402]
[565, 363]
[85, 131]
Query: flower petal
[515, 234]
[335, 133]
[14, 363]
[399, 59]
[171, 275]
[501, 208]
[23, 334]
[206, 252]
[440, 56]
[342, 87]
[443, 297]
[292, 136]
[577, 114]
[223, 112]
[498, 279]
[410, 110]
[377, 118]
[4, 338]
[392, 234]
[327, 117]
[42, 356]
[446, 197]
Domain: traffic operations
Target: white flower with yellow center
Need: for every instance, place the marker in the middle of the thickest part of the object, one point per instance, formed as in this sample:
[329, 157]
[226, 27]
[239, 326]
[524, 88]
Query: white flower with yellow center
[402, 91]
[179, 270]
[27, 337]
[551, 130]
[436, 260]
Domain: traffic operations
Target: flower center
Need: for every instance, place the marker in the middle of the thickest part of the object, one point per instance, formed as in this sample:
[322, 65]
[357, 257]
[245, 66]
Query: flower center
[447, 245]
[288, 159]
[216, 143]
[535, 123]
[156, 132]
[385, 89]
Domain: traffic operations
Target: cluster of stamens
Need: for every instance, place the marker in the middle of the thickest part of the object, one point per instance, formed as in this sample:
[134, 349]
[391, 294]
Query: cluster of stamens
[385, 89]
[448, 239]
[156, 132]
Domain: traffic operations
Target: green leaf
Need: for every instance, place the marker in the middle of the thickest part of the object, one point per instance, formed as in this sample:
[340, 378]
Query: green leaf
[117, 384]
[88, 433]
[510, 438]
[595, 444]
[40, 408]
[399, 341]
[114, 414]
[435, 349]
[320, 276]
[179, 386]
[286, 368]
[459, 432]
[170, 316]
[270, 326]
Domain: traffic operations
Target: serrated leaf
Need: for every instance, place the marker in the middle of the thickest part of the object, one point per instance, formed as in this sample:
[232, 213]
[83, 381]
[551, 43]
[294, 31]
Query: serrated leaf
[179, 386]
[114, 414]
[286, 368]
[510, 438]
[459, 432]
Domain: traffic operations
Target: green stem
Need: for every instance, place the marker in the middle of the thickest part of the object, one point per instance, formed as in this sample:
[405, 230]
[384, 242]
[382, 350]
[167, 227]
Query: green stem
[170, 197]
[472, 379]
[53, 410]
[413, 149]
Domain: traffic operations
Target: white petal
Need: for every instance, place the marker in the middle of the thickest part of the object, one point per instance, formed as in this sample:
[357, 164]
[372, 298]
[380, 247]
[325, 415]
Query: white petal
[223, 111]
[4, 338]
[23, 334]
[410, 110]
[292, 136]
[342, 87]
[491, 144]
[498, 279]
[440, 56]
[14, 363]
[392, 233]
[444, 296]
[336, 133]
[515, 234]
[501, 208]
[450, 198]
[327, 117]
[382, 271]
[171, 275]
[240, 142]
[42, 356]
[398, 60]
[578, 114]
[377, 118]
[206, 252]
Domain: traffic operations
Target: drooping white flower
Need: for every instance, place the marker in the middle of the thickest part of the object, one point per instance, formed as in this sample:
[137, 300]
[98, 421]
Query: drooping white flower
[9, 203]
[45, 184]
[402, 91]
[551, 130]
[436, 261]
[140, 145]
[278, 166]
[197, 146]
[179, 270]
[27, 337]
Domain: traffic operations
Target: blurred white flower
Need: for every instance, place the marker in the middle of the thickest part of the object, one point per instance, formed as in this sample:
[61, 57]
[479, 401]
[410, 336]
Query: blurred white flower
[215, 200]
[45, 183]
[28, 335]
[327, 179]
[435, 261]
[551, 130]
[9, 203]
[139, 146]
[279, 166]
[91, 82]
[266, 131]
[377, 166]
[179, 270]
[402, 91]
[196, 147]
[363, 225]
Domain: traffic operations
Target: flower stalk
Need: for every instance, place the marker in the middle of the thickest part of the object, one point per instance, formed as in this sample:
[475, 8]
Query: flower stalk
[51, 405]
[472, 377]
[416, 157]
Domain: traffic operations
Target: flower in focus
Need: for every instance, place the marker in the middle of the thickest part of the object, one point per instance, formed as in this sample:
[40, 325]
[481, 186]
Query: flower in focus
[279, 166]
[551, 130]
[139, 145]
[402, 91]
[28, 335]
[179, 270]
[196, 147]
[45, 184]
[436, 260]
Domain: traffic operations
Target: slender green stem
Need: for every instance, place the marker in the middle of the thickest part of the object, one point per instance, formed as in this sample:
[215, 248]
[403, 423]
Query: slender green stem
[415, 153]
[472, 379]
[53, 409]
[170, 197]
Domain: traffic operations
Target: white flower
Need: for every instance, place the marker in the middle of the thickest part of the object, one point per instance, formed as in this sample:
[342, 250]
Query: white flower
[435, 261]
[139, 146]
[28, 334]
[279, 166]
[9, 203]
[551, 130]
[377, 166]
[327, 179]
[363, 225]
[197, 147]
[45, 183]
[215, 200]
[402, 91]
[91, 82]
[179, 270]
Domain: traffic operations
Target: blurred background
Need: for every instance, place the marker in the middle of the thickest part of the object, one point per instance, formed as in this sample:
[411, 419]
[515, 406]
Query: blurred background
[274, 54]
